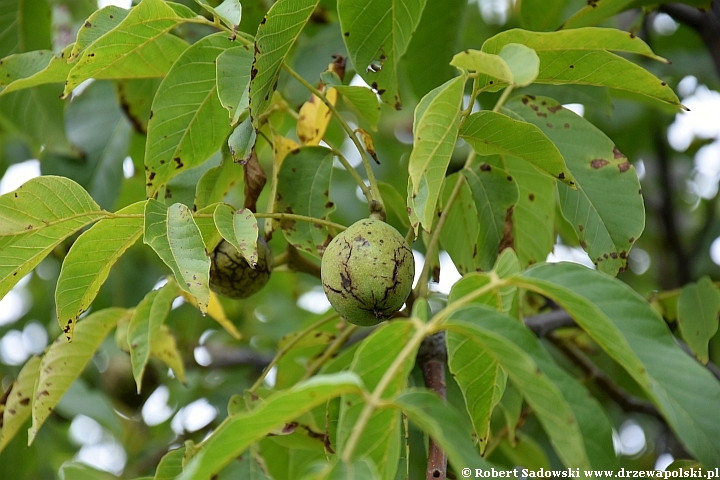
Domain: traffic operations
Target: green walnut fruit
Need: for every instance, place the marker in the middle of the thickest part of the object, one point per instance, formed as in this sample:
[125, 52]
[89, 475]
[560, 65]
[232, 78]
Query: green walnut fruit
[232, 276]
[367, 272]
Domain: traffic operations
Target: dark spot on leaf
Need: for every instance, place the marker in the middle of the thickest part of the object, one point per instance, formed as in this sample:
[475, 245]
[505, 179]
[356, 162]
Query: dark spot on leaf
[347, 34]
[581, 228]
[572, 66]
[632, 239]
[485, 167]
[663, 84]
[262, 22]
[549, 125]
[567, 125]
[381, 91]
[583, 244]
[88, 24]
[178, 162]
[614, 255]
[561, 176]
[151, 176]
[617, 153]
[624, 167]
[329, 205]
[623, 255]
[531, 97]
[555, 108]
[525, 100]
[509, 178]
[531, 197]
[598, 163]
[632, 35]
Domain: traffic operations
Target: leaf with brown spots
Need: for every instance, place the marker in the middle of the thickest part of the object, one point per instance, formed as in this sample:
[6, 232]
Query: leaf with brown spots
[494, 195]
[189, 123]
[303, 189]
[64, 362]
[275, 37]
[377, 34]
[496, 133]
[173, 234]
[18, 403]
[605, 210]
[584, 56]
[54, 208]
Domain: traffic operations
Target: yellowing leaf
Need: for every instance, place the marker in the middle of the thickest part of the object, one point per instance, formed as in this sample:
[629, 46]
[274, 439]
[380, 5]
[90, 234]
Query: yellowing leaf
[314, 117]
[216, 311]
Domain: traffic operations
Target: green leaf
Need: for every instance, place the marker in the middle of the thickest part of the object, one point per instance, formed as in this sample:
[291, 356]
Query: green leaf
[23, 65]
[81, 471]
[97, 127]
[480, 379]
[394, 206]
[595, 13]
[88, 263]
[240, 229]
[494, 66]
[229, 11]
[25, 25]
[240, 431]
[459, 235]
[444, 425]
[637, 338]
[136, 96]
[540, 15]
[698, 309]
[377, 34]
[606, 209]
[164, 347]
[54, 71]
[380, 440]
[170, 465]
[500, 299]
[34, 219]
[216, 183]
[175, 237]
[594, 423]
[435, 130]
[64, 362]
[533, 218]
[362, 101]
[138, 47]
[495, 193]
[208, 230]
[242, 141]
[495, 133]
[436, 37]
[36, 116]
[188, 123]
[303, 189]
[551, 408]
[18, 407]
[523, 63]
[275, 37]
[362, 469]
[97, 25]
[145, 324]
[583, 57]
[233, 80]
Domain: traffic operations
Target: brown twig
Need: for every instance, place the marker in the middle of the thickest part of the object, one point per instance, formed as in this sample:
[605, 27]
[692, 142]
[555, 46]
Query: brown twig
[432, 358]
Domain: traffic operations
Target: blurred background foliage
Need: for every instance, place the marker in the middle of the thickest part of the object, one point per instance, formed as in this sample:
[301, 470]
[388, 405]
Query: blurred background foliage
[97, 139]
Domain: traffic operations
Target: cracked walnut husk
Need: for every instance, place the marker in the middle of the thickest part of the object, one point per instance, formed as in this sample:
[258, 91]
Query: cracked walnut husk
[232, 276]
[367, 272]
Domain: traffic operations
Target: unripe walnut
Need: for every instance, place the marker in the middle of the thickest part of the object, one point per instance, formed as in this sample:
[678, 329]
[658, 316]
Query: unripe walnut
[367, 272]
[232, 276]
